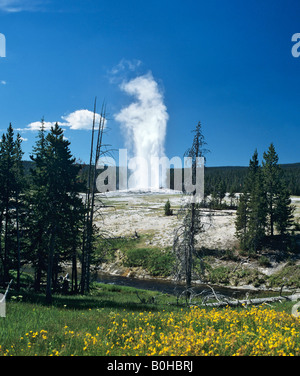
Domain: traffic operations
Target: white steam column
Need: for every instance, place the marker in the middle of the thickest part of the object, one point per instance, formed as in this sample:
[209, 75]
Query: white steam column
[145, 125]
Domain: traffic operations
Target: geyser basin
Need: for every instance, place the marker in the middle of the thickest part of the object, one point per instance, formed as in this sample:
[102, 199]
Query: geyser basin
[148, 191]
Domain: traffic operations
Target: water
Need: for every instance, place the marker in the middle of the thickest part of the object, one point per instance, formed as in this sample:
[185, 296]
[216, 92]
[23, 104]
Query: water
[165, 286]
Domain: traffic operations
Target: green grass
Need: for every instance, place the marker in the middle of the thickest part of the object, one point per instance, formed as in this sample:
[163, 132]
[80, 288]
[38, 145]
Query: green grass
[289, 276]
[106, 248]
[113, 321]
[157, 262]
[136, 253]
[28, 314]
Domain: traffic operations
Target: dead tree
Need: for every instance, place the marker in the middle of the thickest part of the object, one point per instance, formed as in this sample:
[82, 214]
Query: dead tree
[6, 292]
[194, 222]
[193, 219]
[211, 298]
[87, 243]
[254, 301]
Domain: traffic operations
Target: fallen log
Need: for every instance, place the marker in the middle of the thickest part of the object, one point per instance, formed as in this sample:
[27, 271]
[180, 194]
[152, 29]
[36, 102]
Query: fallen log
[256, 301]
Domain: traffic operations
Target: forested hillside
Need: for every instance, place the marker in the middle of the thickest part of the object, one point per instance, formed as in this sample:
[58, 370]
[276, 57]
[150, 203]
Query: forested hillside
[232, 176]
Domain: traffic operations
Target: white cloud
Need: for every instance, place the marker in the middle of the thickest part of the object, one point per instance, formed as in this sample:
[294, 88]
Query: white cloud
[3, 82]
[125, 64]
[80, 119]
[15, 6]
[36, 126]
[77, 120]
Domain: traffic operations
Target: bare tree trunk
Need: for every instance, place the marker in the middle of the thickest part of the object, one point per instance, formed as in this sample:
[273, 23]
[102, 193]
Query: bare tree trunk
[272, 218]
[2, 258]
[50, 267]
[190, 249]
[185, 236]
[92, 206]
[18, 245]
[74, 272]
[6, 292]
[90, 203]
[87, 208]
[6, 252]
[38, 277]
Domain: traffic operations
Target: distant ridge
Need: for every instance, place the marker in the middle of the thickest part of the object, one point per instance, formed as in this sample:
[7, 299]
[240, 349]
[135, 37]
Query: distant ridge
[232, 176]
[283, 165]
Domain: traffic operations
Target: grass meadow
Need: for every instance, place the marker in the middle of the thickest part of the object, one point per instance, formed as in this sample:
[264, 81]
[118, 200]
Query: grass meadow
[112, 321]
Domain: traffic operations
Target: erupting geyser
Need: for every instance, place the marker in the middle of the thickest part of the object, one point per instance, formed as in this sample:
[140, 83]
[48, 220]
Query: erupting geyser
[145, 123]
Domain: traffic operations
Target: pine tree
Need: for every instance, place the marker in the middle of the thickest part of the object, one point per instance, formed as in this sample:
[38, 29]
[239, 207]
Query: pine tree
[283, 210]
[271, 175]
[20, 210]
[197, 149]
[257, 213]
[265, 202]
[37, 221]
[251, 212]
[7, 159]
[167, 207]
[257, 204]
[63, 193]
[280, 211]
[221, 192]
[55, 200]
[10, 190]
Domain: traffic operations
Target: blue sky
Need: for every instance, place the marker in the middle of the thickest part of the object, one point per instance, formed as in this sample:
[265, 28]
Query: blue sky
[227, 64]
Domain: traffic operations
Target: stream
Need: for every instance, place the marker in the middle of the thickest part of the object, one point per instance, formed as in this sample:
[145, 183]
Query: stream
[167, 286]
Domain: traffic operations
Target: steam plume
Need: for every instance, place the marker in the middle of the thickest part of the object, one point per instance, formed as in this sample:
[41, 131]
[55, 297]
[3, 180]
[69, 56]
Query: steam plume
[145, 124]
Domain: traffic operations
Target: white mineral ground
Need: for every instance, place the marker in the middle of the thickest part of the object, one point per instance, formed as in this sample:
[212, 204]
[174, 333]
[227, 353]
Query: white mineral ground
[128, 213]
[144, 213]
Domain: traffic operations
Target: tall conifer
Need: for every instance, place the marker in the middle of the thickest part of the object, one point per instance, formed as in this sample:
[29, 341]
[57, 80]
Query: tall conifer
[271, 175]
[56, 199]
[11, 175]
[251, 213]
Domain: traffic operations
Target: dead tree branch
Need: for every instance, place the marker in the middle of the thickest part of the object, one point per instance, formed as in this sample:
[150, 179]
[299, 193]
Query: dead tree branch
[4, 296]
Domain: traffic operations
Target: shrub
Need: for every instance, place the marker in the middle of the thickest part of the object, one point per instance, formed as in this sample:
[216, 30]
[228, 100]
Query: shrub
[289, 276]
[264, 261]
[219, 274]
[168, 210]
[157, 262]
